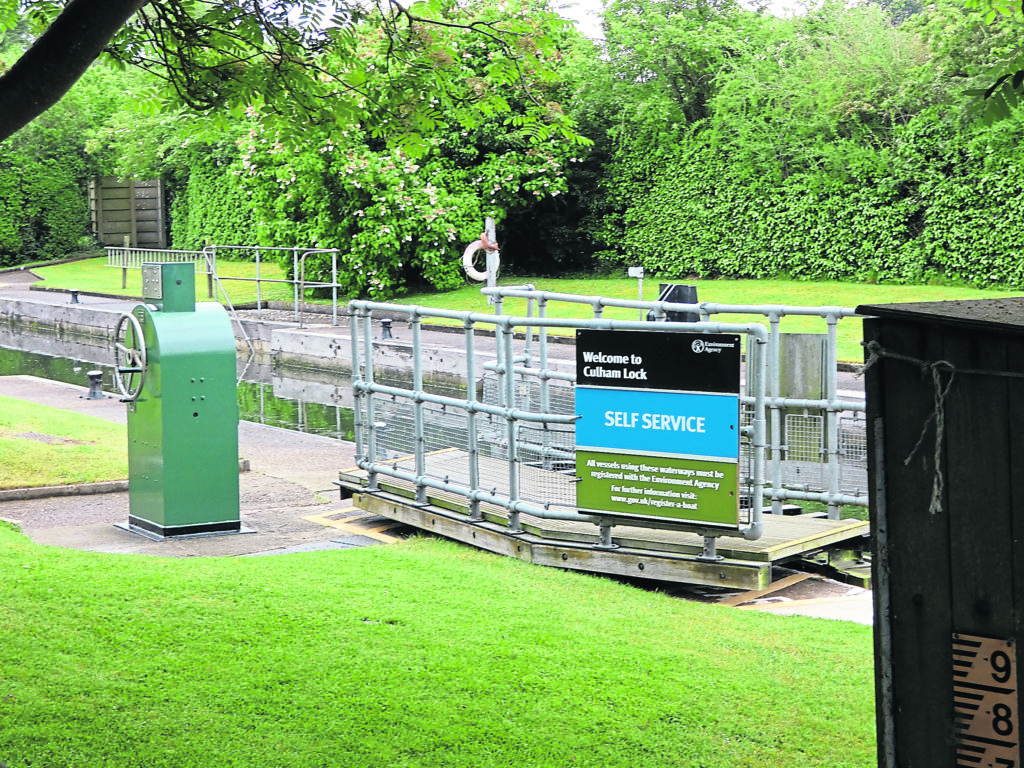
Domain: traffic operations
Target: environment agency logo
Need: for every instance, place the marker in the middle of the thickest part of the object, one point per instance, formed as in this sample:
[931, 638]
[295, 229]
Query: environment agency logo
[698, 346]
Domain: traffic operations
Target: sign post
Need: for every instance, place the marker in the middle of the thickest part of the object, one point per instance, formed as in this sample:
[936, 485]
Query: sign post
[658, 430]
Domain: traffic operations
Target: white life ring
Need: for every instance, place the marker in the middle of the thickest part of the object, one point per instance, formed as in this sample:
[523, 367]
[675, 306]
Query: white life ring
[467, 260]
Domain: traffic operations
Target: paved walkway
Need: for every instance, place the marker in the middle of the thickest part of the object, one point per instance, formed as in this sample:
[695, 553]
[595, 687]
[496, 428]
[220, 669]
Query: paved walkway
[287, 496]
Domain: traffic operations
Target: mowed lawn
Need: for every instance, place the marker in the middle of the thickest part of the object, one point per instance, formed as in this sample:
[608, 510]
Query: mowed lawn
[92, 275]
[48, 446]
[424, 653]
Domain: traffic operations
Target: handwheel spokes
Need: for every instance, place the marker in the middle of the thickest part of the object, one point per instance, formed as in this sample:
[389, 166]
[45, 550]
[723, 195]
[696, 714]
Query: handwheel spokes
[129, 357]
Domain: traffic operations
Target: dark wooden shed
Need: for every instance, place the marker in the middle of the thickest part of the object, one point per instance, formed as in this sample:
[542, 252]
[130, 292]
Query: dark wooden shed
[945, 409]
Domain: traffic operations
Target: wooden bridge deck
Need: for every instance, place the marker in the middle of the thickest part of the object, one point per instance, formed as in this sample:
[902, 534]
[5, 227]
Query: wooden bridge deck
[653, 553]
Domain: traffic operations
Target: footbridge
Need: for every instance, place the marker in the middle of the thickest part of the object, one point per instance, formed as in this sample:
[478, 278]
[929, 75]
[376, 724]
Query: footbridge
[656, 448]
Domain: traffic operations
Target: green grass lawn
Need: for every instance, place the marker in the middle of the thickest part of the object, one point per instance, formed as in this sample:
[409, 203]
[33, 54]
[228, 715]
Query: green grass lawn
[42, 446]
[418, 654]
[736, 292]
[91, 275]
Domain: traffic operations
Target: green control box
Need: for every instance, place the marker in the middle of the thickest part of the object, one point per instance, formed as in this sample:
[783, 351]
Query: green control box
[182, 409]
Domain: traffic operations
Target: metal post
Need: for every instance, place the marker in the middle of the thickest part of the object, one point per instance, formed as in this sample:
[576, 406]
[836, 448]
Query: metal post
[124, 263]
[334, 287]
[832, 416]
[357, 392]
[211, 271]
[755, 352]
[710, 552]
[302, 288]
[604, 532]
[259, 296]
[371, 477]
[295, 280]
[774, 387]
[491, 255]
[472, 447]
[545, 386]
[503, 369]
[417, 387]
[505, 340]
[528, 335]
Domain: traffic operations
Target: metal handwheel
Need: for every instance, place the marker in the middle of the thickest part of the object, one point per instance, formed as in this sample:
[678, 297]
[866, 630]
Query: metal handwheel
[129, 358]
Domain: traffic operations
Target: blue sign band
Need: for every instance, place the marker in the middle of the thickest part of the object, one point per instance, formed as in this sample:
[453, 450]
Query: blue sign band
[667, 423]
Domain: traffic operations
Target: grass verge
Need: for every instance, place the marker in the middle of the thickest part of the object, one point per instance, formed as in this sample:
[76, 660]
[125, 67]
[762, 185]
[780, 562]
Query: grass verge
[737, 292]
[92, 275]
[42, 446]
[418, 654]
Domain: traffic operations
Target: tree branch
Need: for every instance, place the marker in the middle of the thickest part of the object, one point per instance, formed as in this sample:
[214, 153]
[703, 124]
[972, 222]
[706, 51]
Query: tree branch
[60, 56]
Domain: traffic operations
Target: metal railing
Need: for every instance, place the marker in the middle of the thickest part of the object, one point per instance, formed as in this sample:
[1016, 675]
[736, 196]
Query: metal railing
[507, 436]
[299, 284]
[125, 258]
[520, 410]
[206, 263]
[133, 258]
[839, 444]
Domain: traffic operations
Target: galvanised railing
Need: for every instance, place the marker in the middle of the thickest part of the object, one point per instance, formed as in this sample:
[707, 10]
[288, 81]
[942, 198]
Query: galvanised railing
[504, 419]
[206, 263]
[836, 448]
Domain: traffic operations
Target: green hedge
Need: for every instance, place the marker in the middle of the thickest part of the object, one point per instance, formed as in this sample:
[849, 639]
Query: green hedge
[44, 212]
[938, 205]
[210, 205]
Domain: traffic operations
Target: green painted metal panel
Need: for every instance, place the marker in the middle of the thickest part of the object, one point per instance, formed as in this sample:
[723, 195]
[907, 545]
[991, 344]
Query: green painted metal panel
[183, 429]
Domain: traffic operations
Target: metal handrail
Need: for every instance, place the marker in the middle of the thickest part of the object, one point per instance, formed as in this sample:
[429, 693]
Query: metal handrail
[830, 404]
[368, 455]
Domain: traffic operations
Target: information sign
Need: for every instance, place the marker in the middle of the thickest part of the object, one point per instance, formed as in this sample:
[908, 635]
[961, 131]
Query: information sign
[658, 429]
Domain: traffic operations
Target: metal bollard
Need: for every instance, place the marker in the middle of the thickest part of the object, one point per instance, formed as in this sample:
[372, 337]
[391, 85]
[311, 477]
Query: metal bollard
[385, 328]
[95, 385]
[74, 298]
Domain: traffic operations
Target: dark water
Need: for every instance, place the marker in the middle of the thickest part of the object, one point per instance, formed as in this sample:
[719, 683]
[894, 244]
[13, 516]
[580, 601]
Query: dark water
[257, 399]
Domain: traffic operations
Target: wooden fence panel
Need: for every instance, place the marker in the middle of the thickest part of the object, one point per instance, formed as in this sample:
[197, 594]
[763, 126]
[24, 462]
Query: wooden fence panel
[127, 208]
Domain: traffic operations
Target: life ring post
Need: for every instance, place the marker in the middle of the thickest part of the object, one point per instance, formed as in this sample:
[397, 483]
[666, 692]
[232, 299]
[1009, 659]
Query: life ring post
[488, 243]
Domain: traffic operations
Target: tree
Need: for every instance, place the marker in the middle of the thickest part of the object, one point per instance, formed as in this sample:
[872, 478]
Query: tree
[300, 61]
[1002, 87]
[61, 55]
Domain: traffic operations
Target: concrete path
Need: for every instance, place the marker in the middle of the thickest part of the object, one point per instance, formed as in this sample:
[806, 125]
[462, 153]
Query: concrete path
[287, 496]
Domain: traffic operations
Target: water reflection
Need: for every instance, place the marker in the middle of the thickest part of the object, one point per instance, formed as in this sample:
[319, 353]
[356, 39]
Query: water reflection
[318, 404]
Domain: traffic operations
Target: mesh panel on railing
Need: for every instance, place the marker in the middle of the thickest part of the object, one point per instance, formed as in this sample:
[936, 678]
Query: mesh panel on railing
[547, 464]
[853, 453]
[529, 393]
[393, 427]
[805, 437]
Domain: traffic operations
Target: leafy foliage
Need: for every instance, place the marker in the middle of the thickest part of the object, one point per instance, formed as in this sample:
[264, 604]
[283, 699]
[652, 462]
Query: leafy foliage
[401, 71]
[398, 218]
[397, 221]
[830, 149]
[44, 171]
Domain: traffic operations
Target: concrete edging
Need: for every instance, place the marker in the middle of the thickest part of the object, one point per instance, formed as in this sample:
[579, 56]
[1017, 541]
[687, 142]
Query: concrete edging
[56, 491]
[82, 489]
